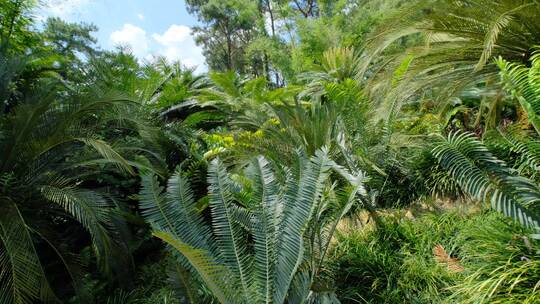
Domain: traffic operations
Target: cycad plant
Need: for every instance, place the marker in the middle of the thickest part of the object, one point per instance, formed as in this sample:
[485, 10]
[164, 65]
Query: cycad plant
[337, 65]
[482, 174]
[234, 94]
[254, 249]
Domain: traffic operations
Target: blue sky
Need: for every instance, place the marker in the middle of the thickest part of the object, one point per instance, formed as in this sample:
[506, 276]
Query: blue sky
[148, 27]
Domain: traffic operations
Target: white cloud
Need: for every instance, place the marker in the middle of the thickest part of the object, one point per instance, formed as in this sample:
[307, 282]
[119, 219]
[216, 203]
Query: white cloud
[133, 37]
[173, 35]
[63, 8]
[177, 43]
[140, 16]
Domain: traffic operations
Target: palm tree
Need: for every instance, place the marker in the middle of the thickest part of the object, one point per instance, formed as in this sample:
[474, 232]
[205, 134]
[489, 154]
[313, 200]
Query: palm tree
[461, 39]
[54, 143]
[276, 215]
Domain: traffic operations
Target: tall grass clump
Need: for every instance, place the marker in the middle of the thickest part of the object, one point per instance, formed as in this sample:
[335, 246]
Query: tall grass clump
[394, 262]
[501, 261]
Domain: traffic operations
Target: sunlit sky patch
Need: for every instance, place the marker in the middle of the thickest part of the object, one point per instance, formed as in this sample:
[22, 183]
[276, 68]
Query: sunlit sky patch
[147, 27]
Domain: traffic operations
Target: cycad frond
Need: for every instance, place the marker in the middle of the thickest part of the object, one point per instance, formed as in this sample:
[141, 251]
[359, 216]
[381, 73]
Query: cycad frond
[108, 153]
[215, 275]
[174, 215]
[498, 24]
[48, 137]
[300, 199]
[526, 147]
[90, 209]
[231, 238]
[265, 196]
[159, 212]
[337, 65]
[193, 230]
[487, 178]
[341, 63]
[524, 84]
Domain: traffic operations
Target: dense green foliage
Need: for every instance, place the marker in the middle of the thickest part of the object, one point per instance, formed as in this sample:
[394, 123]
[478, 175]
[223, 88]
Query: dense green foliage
[377, 151]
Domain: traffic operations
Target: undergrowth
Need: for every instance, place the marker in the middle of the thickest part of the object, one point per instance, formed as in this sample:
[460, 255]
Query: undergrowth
[448, 258]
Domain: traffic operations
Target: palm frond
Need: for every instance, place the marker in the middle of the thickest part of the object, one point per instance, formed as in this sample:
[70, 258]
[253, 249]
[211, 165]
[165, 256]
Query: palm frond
[494, 29]
[453, 44]
[22, 276]
[487, 178]
[89, 208]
